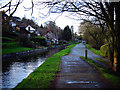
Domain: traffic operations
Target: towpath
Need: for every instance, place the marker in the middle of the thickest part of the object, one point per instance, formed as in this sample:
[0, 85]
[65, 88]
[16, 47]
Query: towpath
[75, 73]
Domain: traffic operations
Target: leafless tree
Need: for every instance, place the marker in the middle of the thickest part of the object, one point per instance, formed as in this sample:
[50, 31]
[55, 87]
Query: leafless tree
[10, 7]
[107, 12]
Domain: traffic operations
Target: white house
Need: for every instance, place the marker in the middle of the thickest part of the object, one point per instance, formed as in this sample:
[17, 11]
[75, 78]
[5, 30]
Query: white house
[30, 29]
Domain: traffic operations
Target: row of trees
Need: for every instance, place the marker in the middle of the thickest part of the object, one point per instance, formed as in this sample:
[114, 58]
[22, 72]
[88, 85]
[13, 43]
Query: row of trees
[65, 34]
[105, 14]
[92, 34]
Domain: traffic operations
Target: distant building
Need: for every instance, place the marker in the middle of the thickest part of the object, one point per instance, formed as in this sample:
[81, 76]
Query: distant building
[33, 30]
[51, 38]
[30, 29]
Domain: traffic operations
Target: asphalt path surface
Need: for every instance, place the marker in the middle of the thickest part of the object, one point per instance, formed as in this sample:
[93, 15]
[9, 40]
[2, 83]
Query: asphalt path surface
[76, 73]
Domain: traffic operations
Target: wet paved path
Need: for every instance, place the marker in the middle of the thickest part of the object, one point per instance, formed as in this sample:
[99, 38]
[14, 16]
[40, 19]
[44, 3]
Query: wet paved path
[76, 73]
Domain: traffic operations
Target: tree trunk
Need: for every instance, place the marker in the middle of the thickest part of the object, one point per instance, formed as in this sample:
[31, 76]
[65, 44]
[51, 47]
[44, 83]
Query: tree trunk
[111, 51]
[117, 38]
[111, 12]
[116, 66]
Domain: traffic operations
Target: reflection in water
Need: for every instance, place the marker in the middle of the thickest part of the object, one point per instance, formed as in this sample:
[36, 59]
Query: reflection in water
[15, 70]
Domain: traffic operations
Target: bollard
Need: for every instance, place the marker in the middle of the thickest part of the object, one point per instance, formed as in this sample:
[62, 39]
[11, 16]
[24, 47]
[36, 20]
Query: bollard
[86, 54]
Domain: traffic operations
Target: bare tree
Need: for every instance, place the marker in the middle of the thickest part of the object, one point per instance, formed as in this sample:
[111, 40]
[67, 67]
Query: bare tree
[93, 34]
[105, 11]
[11, 8]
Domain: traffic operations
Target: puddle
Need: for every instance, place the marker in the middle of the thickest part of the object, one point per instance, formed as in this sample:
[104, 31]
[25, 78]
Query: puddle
[82, 82]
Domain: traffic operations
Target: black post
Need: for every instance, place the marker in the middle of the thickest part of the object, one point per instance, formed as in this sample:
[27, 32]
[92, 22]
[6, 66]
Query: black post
[86, 54]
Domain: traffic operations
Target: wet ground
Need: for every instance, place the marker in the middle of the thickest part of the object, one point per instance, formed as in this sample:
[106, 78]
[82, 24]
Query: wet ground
[80, 51]
[75, 73]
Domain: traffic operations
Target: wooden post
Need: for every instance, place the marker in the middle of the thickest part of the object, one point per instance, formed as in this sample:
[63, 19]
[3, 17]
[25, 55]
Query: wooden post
[86, 54]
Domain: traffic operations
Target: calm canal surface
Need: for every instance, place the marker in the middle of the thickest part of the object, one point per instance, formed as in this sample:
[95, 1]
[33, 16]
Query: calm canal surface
[15, 70]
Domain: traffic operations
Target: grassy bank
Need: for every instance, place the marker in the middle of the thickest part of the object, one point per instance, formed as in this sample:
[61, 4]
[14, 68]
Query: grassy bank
[108, 74]
[102, 61]
[94, 50]
[14, 50]
[12, 47]
[43, 75]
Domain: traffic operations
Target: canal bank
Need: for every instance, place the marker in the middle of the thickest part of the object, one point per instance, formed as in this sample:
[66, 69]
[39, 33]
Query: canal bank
[22, 66]
[10, 56]
[42, 76]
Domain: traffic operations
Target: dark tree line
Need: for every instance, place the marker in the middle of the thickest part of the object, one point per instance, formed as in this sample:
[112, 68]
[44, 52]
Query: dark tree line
[67, 34]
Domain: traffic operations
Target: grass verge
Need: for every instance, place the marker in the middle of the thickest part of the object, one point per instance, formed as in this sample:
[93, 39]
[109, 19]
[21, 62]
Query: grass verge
[109, 75]
[43, 75]
[101, 61]
[14, 50]
[94, 50]
[13, 47]
[7, 39]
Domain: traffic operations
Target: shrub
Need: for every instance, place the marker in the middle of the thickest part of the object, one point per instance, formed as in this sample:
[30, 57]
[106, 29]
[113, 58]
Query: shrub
[88, 46]
[39, 40]
[8, 32]
[105, 50]
[25, 41]
[63, 42]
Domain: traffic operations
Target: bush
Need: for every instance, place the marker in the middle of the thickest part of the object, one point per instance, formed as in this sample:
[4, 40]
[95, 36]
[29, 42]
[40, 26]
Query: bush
[39, 40]
[25, 41]
[105, 50]
[88, 46]
[63, 42]
[8, 32]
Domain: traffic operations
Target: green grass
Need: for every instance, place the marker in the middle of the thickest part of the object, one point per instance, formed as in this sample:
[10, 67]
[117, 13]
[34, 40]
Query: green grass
[14, 50]
[10, 45]
[7, 39]
[73, 42]
[101, 61]
[13, 47]
[90, 61]
[43, 75]
[94, 50]
[108, 74]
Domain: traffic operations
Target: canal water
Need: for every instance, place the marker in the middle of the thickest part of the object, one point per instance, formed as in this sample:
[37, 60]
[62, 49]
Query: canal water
[15, 70]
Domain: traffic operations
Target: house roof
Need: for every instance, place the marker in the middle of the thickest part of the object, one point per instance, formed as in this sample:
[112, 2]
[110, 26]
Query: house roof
[31, 28]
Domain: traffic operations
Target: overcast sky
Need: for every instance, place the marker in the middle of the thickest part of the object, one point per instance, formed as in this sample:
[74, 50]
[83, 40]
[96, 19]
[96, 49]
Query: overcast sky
[61, 21]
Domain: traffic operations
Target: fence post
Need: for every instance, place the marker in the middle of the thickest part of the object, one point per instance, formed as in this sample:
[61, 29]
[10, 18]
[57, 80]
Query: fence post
[86, 54]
